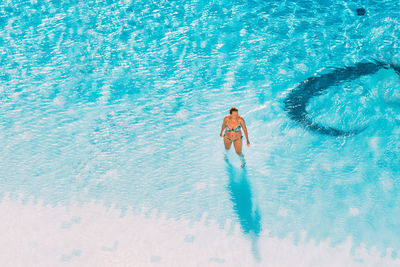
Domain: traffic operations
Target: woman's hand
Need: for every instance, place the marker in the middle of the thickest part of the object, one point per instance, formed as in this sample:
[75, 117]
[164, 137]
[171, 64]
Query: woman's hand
[248, 143]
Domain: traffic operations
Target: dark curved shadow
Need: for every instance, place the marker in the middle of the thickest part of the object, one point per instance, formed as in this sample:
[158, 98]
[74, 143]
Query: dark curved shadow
[297, 100]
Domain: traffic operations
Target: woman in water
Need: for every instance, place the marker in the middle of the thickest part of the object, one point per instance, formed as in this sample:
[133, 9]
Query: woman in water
[234, 134]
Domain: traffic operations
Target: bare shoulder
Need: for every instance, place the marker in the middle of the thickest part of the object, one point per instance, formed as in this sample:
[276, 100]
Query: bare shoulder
[241, 121]
[226, 117]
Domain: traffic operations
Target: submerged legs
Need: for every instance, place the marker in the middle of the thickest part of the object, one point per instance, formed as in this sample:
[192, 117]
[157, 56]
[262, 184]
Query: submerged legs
[241, 156]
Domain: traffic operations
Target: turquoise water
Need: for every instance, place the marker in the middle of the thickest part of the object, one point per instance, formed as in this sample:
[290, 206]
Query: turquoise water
[122, 102]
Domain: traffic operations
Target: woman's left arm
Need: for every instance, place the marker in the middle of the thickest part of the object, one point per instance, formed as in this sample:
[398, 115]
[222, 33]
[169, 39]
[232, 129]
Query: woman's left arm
[245, 131]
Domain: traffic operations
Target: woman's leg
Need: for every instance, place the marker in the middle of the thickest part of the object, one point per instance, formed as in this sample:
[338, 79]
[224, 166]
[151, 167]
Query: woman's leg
[227, 143]
[238, 148]
[238, 145]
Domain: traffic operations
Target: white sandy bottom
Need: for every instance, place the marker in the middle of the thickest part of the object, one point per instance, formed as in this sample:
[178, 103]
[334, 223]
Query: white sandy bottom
[93, 235]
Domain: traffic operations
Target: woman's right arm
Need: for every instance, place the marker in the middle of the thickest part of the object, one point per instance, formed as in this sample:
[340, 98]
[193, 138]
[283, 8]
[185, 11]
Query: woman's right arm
[222, 127]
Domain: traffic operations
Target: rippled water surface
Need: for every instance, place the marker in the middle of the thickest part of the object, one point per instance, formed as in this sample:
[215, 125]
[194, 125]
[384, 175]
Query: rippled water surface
[123, 102]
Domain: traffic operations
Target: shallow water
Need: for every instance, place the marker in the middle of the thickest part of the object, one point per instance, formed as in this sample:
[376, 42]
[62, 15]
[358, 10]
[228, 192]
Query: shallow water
[122, 102]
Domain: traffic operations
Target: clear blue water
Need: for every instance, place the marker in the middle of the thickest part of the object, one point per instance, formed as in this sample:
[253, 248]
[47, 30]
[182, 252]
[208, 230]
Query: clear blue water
[122, 102]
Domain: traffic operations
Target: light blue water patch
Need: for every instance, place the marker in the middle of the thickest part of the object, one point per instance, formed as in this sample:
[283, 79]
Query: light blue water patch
[122, 102]
[69, 257]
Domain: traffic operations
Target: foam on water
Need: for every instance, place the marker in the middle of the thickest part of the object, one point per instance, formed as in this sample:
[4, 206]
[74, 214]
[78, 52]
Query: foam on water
[92, 235]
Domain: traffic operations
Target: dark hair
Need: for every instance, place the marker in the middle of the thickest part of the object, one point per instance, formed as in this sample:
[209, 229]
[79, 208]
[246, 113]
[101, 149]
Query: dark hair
[232, 110]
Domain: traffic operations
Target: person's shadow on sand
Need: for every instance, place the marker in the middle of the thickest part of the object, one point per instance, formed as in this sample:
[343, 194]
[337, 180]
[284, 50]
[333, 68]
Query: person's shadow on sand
[241, 196]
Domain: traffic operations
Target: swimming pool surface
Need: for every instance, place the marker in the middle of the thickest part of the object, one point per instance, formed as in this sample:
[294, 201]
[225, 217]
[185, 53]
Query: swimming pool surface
[120, 103]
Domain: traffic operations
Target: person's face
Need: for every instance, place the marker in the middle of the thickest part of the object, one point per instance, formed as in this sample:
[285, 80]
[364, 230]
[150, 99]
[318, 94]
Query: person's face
[235, 114]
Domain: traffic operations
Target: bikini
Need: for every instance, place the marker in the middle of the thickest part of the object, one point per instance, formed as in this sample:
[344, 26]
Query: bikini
[237, 129]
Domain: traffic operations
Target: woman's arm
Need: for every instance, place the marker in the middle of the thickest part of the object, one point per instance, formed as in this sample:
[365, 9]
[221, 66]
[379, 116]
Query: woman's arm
[245, 130]
[222, 128]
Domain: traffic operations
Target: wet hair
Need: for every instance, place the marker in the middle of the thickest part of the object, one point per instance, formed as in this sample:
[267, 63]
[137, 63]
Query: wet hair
[232, 110]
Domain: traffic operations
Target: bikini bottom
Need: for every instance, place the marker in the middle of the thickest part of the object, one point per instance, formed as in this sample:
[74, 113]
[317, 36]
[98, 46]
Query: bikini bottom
[233, 140]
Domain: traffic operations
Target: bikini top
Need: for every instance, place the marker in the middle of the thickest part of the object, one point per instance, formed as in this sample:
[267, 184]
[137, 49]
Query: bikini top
[237, 129]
